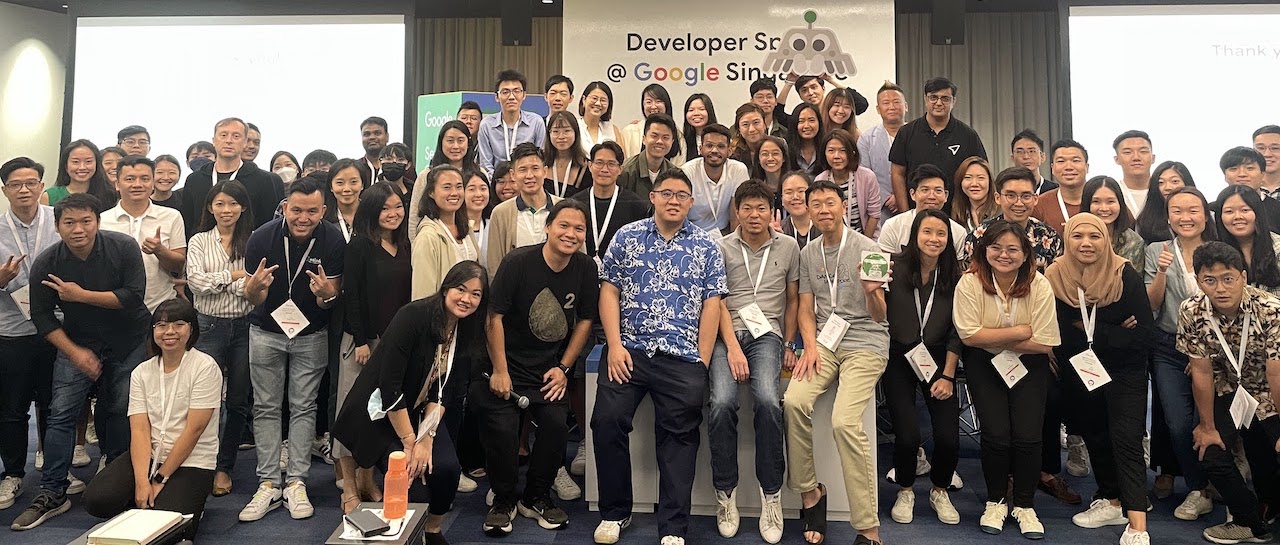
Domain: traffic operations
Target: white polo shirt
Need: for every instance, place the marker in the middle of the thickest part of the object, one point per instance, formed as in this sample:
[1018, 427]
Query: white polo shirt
[173, 234]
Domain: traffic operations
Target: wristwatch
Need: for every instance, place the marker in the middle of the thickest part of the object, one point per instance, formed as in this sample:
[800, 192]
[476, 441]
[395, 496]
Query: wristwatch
[159, 479]
[792, 346]
[564, 369]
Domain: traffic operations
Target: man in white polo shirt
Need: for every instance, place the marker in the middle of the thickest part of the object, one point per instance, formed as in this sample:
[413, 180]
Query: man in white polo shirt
[159, 230]
[715, 178]
[928, 190]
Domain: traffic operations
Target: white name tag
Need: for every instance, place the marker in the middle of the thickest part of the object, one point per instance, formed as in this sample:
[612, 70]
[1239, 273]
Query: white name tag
[833, 332]
[922, 363]
[290, 319]
[1090, 369]
[755, 320]
[22, 298]
[1010, 367]
[1243, 408]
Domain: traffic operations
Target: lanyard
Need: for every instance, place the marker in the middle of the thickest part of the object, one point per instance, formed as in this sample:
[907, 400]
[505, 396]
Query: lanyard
[764, 261]
[507, 138]
[302, 264]
[715, 189]
[1128, 198]
[342, 226]
[1089, 321]
[557, 181]
[1236, 362]
[166, 409]
[796, 230]
[229, 178]
[608, 215]
[1007, 317]
[1063, 206]
[928, 307]
[374, 172]
[833, 275]
[22, 247]
[448, 364]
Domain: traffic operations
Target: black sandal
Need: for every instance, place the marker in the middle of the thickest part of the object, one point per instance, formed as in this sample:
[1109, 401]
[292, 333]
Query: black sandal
[815, 518]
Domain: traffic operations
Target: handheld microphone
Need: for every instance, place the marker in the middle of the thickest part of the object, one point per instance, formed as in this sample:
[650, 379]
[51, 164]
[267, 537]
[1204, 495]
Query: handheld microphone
[521, 401]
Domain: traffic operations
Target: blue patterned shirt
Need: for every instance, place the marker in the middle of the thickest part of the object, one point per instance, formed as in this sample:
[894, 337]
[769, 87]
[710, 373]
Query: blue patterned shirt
[662, 285]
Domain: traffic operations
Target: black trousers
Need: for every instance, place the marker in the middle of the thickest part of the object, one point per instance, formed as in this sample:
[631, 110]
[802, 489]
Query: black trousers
[441, 485]
[111, 491]
[1012, 420]
[26, 375]
[1112, 420]
[679, 391]
[498, 421]
[900, 387]
[1051, 428]
[1220, 467]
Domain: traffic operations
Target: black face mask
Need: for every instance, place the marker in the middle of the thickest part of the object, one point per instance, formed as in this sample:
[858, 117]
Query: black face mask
[393, 171]
[199, 163]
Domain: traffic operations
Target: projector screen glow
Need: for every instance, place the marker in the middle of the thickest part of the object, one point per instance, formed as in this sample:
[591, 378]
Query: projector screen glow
[1197, 78]
[307, 82]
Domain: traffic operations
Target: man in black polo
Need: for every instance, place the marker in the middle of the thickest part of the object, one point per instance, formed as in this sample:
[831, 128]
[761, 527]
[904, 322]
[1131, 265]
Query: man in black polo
[936, 137]
[97, 280]
[265, 192]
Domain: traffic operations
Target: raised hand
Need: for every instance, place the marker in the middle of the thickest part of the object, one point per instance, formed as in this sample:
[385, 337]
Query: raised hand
[151, 244]
[10, 269]
[320, 284]
[1165, 260]
[68, 292]
[261, 278]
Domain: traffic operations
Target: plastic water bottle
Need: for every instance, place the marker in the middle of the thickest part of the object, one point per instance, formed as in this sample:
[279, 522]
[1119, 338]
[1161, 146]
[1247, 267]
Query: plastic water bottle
[395, 499]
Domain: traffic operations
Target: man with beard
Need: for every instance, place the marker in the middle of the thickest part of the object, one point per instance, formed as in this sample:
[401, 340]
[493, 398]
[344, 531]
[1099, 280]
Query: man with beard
[936, 137]
[373, 137]
[715, 179]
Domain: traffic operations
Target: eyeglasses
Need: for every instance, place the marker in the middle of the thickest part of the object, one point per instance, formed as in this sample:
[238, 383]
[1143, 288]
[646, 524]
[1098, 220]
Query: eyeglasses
[944, 99]
[598, 100]
[1228, 280]
[607, 165]
[508, 93]
[667, 194]
[136, 142]
[163, 326]
[939, 191]
[1272, 149]
[1012, 251]
[32, 185]
[1024, 197]
[1024, 152]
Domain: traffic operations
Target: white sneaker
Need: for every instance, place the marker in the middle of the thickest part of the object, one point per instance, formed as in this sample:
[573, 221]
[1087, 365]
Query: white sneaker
[1062, 436]
[771, 516]
[1100, 513]
[1028, 523]
[941, 503]
[284, 454]
[922, 463]
[579, 464]
[488, 498]
[466, 484]
[39, 460]
[904, 508]
[727, 519]
[672, 540]
[607, 531]
[321, 448]
[956, 482]
[1129, 537]
[75, 486]
[10, 489]
[992, 521]
[265, 500]
[1077, 456]
[80, 456]
[102, 464]
[90, 429]
[1196, 504]
[564, 487]
[296, 501]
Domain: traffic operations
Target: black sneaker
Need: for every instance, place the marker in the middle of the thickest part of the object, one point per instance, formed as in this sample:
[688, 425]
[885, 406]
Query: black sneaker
[498, 522]
[864, 540]
[546, 513]
[45, 507]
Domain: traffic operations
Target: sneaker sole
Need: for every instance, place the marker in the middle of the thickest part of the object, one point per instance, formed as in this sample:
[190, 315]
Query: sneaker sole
[297, 516]
[1096, 525]
[902, 520]
[270, 507]
[991, 530]
[81, 463]
[1181, 516]
[5, 504]
[66, 506]
[1033, 535]
[566, 497]
[544, 523]
[1234, 541]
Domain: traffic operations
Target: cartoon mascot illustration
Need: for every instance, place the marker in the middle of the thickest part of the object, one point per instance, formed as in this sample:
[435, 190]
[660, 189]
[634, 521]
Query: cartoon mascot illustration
[810, 51]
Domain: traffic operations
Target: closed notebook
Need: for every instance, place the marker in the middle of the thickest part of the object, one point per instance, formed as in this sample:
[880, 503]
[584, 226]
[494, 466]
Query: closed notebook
[135, 527]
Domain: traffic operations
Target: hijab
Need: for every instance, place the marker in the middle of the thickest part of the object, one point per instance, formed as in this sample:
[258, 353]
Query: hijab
[1102, 280]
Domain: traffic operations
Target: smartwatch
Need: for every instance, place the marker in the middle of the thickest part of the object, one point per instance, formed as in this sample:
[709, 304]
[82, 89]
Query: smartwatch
[792, 346]
[159, 479]
[565, 369]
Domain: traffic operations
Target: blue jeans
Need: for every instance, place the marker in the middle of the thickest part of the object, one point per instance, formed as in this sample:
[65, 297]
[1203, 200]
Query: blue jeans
[226, 340]
[764, 359]
[275, 358]
[70, 392]
[1169, 369]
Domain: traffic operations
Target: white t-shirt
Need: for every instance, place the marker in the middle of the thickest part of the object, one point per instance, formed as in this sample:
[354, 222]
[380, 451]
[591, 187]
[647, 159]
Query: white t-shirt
[713, 201]
[195, 384]
[896, 232]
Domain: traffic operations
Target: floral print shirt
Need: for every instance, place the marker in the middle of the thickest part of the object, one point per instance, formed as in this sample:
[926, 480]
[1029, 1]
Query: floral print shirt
[1196, 339]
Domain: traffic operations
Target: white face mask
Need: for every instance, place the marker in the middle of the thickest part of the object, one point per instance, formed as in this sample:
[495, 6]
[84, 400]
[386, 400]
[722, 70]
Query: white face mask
[287, 174]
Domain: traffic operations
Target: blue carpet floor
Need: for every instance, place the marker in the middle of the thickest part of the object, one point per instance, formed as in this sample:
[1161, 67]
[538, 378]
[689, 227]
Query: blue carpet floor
[220, 526]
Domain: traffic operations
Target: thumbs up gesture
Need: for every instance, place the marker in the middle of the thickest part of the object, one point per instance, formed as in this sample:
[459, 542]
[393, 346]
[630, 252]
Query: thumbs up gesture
[151, 244]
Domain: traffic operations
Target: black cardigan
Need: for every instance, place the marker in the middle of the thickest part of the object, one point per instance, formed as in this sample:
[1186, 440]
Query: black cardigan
[1119, 348]
[904, 323]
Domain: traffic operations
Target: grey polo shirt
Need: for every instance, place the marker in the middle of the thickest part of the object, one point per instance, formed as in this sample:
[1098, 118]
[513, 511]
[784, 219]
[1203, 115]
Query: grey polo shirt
[864, 334]
[783, 268]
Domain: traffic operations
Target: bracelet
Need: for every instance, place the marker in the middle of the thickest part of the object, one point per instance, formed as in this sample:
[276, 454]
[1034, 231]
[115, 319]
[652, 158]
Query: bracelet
[948, 379]
[409, 435]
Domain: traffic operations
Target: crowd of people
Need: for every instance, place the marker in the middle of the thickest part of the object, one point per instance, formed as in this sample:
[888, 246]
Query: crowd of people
[445, 306]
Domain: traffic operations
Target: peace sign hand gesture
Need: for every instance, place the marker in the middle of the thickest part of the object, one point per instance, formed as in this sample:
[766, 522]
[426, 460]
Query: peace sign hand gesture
[261, 278]
[321, 286]
[10, 269]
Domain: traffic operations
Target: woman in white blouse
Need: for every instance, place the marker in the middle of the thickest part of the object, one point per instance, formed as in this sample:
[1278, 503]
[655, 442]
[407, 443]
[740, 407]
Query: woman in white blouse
[216, 276]
[173, 424]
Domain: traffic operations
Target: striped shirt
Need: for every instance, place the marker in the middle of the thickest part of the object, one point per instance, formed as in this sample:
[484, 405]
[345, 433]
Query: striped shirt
[209, 277]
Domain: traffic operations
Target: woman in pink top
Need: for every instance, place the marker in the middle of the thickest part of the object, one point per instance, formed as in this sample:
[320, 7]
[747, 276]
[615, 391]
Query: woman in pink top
[839, 163]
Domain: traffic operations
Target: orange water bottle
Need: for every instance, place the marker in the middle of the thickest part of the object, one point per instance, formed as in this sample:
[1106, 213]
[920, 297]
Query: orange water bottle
[396, 487]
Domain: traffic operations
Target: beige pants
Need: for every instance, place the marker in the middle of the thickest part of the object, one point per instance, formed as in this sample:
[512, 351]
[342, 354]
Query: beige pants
[348, 370]
[857, 371]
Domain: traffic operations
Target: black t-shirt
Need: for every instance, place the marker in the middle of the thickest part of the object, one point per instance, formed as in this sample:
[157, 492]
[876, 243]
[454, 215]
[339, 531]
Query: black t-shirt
[174, 201]
[540, 307]
[630, 209]
[917, 144]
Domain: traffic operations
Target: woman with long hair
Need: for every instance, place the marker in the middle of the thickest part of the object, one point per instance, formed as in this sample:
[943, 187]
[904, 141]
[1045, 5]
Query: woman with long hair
[1153, 224]
[1105, 320]
[1004, 314]
[919, 309]
[1103, 198]
[398, 402]
[444, 232]
[454, 146]
[285, 165]
[480, 203]
[111, 157]
[1170, 281]
[839, 163]
[216, 275]
[749, 131]
[345, 182]
[1242, 225]
[698, 113]
[976, 202]
[563, 156]
[595, 117]
[772, 160]
[654, 99]
[804, 136]
[80, 171]
[837, 111]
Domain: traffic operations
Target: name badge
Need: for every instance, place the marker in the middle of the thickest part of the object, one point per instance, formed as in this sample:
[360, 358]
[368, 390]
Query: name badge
[922, 363]
[1090, 369]
[755, 320]
[22, 298]
[1243, 408]
[1010, 367]
[290, 319]
[833, 332]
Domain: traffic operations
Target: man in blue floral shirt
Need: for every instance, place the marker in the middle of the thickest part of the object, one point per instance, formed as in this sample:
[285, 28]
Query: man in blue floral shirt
[662, 281]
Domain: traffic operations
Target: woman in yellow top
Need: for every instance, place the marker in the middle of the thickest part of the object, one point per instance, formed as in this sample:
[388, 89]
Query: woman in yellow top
[1005, 314]
[444, 235]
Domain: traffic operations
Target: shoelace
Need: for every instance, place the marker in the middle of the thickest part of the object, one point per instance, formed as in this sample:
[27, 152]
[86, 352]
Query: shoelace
[9, 486]
[773, 515]
[261, 498]
[1026, 516]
